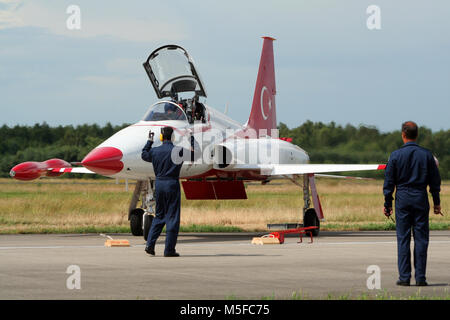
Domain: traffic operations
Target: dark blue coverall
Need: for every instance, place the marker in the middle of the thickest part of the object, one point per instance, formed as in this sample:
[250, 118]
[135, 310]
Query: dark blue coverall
[167, 194]
[410, 169]
[167, 191]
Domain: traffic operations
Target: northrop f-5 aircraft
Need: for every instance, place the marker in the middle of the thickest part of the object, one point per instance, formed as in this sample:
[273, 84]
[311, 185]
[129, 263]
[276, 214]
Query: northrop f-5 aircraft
[230, 153]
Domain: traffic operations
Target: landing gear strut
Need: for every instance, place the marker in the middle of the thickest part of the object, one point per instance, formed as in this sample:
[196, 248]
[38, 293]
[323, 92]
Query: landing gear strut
[141, 218]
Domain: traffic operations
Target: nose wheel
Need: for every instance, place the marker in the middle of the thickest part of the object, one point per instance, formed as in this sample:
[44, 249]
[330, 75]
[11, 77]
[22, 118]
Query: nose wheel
[141, 218]
[136, 217]
[148, 219]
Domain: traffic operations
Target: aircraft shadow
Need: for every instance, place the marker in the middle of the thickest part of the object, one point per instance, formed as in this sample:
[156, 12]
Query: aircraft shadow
[437, 285]
[216, 238]
[226, 255]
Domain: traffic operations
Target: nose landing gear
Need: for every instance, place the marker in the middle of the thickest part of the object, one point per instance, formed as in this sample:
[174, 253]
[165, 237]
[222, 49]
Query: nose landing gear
[141, 218]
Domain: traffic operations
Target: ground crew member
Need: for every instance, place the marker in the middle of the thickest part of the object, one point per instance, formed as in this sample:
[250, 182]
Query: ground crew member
[167, 190]
[410, 169]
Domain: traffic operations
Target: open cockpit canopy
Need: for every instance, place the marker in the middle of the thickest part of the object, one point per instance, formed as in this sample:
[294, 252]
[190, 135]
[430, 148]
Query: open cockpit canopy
[171, 71]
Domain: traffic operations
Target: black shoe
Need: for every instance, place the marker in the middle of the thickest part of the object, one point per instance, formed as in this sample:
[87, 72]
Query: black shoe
[421, 284]
[173, 254]
[403, 283]
[150, 250]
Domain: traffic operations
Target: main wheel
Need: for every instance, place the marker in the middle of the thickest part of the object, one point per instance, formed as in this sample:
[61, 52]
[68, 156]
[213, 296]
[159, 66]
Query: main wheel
[148, 219]
[310, 220]
[136, 221]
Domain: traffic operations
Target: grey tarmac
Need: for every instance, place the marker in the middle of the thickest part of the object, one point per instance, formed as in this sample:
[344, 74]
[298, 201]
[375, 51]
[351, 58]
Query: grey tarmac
[212, 266]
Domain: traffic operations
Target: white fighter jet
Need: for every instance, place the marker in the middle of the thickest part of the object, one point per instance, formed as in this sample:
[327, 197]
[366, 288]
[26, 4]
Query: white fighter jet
[231, 153]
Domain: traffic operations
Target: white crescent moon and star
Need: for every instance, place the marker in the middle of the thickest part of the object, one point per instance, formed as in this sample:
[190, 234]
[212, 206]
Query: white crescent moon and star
[262, 103]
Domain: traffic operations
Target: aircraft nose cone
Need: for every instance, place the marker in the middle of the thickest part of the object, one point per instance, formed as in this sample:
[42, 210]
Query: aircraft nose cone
[104, 160]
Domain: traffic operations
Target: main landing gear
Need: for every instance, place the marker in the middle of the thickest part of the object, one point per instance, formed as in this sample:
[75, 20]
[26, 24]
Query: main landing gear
[141, 218]
[310, 215]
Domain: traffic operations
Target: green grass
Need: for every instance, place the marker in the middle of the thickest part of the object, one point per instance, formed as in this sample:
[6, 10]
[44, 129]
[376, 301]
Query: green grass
[60, 230]
[191, 228]
[385, 295]
[114, 229]
[378, 295]
[56, 206]
[376, 226]
[370, 226]
[209, 228]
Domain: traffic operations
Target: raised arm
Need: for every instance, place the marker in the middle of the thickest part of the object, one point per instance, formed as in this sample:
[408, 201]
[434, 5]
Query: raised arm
[146, 151]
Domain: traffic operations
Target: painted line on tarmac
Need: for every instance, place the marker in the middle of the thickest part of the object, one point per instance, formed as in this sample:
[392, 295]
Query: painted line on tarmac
[362, 242]
[223, 244]
[51, 247]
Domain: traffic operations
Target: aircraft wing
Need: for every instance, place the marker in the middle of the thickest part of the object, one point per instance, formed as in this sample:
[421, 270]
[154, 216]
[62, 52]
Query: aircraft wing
[293, 169]
[71, 170]
[31, 170]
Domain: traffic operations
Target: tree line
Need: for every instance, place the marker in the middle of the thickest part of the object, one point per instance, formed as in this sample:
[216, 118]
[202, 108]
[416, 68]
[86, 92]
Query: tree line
[331, 143]
[42, 142]
[325, 143]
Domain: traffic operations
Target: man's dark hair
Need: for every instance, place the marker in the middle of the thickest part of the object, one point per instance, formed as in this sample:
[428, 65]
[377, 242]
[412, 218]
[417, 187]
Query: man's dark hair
[410, 129]
[167, 133]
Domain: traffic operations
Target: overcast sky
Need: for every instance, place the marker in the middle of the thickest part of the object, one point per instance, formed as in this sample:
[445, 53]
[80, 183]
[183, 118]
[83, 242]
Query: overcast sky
[329, 65]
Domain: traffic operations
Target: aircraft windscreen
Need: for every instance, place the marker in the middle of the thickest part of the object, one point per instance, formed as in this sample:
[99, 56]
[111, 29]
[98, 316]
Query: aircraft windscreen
[165, 111]
[170, 64]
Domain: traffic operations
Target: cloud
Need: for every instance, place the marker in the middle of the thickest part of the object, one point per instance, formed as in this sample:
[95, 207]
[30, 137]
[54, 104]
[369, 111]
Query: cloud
[8, 16]
[94, 23]
[10, 2]
[9, 20]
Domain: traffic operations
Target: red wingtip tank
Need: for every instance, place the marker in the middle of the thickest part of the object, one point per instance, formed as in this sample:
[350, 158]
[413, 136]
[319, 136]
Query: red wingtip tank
[31, 170]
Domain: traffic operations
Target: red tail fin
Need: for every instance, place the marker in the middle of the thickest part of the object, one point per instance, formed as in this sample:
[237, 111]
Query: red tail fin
[263, 113]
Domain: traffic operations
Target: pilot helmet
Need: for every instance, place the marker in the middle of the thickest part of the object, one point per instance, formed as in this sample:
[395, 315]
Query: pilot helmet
[169, 106]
